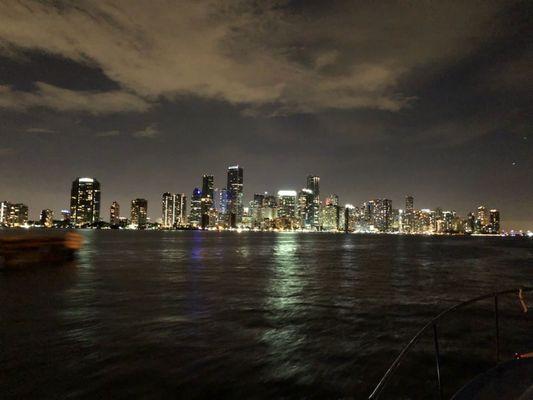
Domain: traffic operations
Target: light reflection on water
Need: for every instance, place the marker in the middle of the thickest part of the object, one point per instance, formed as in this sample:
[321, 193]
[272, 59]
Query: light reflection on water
[206, 314]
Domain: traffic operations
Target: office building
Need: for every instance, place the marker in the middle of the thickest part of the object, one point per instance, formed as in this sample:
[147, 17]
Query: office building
[195, 216]
[85, 202]
[313, 184]
[114, 214]
[47, 218]
[235, 188]
[139, 213]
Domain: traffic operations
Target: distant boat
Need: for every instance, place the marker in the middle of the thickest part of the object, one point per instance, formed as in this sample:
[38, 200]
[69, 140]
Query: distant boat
[26, 250]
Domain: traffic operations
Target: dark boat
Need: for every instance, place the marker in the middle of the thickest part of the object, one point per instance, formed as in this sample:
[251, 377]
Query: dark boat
[509, 379]
[21, 251]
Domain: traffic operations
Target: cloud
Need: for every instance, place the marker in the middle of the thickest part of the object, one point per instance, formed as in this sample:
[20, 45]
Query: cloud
[110, 133]
[60, 99]
[149, 132]
[6, 151]
[275, 57]
[40, 130]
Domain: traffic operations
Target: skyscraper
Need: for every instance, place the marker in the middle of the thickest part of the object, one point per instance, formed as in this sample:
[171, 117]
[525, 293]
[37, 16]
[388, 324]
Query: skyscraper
[139, 213]
[235, 195]
[494, 221]
[85, 202]
[195, 216]
[482, 219]
[207, 199]
[114, 214]
[306, 209]
[409, 222]
[331, 213]
[47, 218]
[313, 184]
[286, 204]
[180, 209]
[16, 214]
[168, 210]
[383, 215]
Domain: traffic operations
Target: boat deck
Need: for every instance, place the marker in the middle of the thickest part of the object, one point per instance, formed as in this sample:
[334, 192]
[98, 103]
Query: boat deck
[512, 380]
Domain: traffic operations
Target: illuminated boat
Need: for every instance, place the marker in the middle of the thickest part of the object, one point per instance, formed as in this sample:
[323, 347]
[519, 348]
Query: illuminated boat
[508, 379]
[25, 250]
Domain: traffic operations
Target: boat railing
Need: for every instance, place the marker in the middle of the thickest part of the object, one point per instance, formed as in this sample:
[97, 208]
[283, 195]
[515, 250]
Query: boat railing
[432, 325]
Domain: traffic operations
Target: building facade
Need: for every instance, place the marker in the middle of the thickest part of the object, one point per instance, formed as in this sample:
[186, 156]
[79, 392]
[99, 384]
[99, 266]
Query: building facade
[85, 202]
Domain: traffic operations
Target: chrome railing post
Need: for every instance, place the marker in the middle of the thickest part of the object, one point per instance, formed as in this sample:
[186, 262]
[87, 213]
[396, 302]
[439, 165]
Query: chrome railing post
[497, 321]
[437, 359]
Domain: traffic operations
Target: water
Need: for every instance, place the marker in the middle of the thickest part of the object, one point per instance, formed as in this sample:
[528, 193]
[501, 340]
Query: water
[255, 315]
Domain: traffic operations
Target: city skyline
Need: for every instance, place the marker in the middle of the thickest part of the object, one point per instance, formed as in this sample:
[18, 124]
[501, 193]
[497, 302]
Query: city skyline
[378, 100]
[286, 210]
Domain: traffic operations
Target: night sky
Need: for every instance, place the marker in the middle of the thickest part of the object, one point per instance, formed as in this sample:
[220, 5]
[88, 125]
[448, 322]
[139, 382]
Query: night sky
[380, 99]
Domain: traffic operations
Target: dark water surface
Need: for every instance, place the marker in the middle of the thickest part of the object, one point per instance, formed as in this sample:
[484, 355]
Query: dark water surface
[148, 314]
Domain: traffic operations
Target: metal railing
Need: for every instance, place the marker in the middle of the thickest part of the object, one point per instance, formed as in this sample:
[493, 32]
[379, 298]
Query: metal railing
[433, 325]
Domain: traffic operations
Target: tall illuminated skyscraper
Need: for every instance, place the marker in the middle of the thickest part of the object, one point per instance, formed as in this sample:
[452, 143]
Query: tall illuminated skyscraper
[313, 184]
[47, 218]
[207, 200]
[287, 204]
[167, 210]
[85, 202]
[494, 221]
[139, 213]
[409, 216]
[114, 214]
[235, 195]
[195, 216]
[306, 205]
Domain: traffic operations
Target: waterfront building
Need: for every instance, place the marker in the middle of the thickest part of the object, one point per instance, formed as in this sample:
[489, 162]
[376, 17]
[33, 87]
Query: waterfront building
[482, 220]
[313, 184]
[85, 202]
[180, 209]
[168, 210]
[287, 204]
[306, 209]
[409, 220]
[114, 214]
[331, 214]
[350, 218]
[494, 221]
[195, 216]
[14, 214]
[4, 206]
[235, 188]
[207, 199]
[139, 213]
[47, 218]
[383, 215]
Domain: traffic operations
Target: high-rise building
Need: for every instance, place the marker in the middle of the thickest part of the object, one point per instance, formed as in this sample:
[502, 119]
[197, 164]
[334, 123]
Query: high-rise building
[168, 210]
[85, 202]
[180, 209]
[15, 214]
[47, 218]
[494, 221]
[4, 208]
[114, 214]
[139, 213]
[235, 189]
[306, 210]
[408, 223]
[482, 220]
[207, 199]
[313, 184]
[195, 216]
[331, 214]
[383, 215]
[286, 204]
[350, 218]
